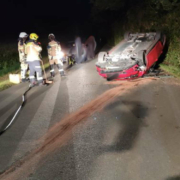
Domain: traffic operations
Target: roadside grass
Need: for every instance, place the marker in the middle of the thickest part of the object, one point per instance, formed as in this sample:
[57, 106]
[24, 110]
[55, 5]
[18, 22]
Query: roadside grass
[171, 63]
[5, 84]
[4, 75]
[9, 58]
[7, 70]
[173, 70]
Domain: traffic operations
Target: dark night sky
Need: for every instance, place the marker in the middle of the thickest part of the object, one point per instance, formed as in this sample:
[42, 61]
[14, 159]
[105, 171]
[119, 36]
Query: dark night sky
[65, 18]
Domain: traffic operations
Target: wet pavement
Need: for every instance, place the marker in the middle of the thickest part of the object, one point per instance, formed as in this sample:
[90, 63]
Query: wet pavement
[135, 136]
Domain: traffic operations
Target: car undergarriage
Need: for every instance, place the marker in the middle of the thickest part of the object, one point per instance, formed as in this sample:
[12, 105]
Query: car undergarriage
[132, 57]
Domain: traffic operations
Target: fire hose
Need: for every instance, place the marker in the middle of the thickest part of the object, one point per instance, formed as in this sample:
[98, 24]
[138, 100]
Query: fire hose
[23, 100]
[16, 113]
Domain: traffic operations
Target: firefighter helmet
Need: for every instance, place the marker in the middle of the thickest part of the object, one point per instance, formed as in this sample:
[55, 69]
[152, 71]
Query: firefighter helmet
[33, 36]
[51, 36]
[23, 35]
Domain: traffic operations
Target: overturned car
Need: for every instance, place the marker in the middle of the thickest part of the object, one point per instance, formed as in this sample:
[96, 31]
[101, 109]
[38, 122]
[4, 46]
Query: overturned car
[132, 57]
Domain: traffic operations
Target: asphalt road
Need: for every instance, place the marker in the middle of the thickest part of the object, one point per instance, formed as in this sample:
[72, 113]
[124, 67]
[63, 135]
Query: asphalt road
[135, 136]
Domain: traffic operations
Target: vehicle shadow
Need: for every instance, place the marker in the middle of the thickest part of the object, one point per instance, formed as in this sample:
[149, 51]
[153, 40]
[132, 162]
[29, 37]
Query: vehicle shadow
[132, 120]
[113, 77]
[174, 178]
[118, 128]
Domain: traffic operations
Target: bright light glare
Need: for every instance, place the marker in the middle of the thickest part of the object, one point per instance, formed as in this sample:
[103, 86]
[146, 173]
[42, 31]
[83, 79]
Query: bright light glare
[61, 54]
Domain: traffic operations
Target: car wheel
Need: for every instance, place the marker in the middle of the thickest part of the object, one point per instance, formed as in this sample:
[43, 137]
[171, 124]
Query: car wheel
[101, 57]
[158, 36]
[163, 39]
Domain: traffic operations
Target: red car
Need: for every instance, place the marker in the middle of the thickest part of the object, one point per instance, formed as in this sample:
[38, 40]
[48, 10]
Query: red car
[132, 57]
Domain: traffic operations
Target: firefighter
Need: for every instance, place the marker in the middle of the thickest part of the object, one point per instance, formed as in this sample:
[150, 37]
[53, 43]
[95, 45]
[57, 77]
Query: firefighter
[55, 55]
[22, 56]
[33, 59]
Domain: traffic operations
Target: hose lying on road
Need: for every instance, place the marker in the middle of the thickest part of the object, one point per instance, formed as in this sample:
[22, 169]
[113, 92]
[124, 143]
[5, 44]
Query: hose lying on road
[16, 113]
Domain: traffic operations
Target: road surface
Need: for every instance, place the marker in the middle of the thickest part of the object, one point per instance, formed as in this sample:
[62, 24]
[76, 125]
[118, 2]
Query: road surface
[108, 131]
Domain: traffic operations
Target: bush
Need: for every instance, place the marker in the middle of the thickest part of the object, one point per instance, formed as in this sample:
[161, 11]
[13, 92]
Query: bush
[9, 58]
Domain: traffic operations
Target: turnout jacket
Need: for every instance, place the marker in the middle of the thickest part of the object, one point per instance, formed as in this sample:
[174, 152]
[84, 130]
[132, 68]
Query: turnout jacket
[54, 48]
[33, 51]
[21, 50]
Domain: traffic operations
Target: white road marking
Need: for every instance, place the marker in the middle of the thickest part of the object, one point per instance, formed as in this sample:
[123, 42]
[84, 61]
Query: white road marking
[39, 124]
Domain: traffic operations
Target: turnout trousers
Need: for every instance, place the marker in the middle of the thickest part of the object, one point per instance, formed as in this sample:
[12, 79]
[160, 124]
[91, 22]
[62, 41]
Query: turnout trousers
[24, 67]
[35, 67]
[59, 66]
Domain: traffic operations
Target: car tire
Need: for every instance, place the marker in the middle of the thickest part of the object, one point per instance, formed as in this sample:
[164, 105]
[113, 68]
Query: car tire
[101, 57]
[163, 39]
[158, 36]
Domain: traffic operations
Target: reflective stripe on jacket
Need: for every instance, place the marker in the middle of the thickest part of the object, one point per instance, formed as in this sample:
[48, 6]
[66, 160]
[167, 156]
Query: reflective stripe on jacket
[54, 48]
[21, 49]
[33, 51]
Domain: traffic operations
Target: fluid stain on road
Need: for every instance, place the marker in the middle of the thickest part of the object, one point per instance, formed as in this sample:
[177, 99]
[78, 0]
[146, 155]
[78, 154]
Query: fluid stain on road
[59, 134]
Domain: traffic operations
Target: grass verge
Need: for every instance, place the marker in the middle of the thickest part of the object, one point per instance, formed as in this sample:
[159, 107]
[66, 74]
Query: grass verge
[4, 79]
[9, 69]
[5, 84]
[175, 71]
